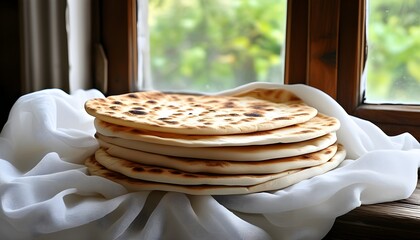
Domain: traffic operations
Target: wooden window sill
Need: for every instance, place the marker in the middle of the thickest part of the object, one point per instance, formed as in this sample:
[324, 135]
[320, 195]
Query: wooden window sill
[393, 119]
[393, 220]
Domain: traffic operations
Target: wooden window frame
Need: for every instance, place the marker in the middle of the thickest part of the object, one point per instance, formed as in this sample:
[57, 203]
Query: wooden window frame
[115, 29]
[328, 51]
[325, 48]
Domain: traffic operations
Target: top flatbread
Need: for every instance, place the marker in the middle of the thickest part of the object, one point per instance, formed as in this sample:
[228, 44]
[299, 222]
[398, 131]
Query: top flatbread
[316, 127]
[199, 114]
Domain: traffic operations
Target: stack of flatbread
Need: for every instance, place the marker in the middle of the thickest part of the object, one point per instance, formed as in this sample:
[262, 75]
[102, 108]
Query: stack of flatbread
[260, 140]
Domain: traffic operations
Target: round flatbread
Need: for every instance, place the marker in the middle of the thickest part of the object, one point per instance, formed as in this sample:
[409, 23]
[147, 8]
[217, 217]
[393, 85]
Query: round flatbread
[242, 153]
[198, 114]
[194, 165]
[315, 127]
[275, 95]
[174, 176]
[134, 185]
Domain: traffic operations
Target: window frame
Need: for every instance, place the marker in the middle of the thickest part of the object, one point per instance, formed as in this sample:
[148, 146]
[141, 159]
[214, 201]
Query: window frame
[393, 119]
[325, 48]
[337, 69]
[115, 29]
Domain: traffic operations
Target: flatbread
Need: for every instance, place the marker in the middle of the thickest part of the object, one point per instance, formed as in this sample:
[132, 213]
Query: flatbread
[194, 165]
[275, 95]
[174, 176]
[315, 127]
[242, 153]
[135, 185]
[198, 114]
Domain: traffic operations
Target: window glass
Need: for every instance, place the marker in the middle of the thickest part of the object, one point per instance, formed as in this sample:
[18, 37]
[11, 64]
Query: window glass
[393, 65]
[209, 46]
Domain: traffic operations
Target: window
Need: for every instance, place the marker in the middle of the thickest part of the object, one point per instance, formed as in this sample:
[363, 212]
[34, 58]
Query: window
[393, 64]
[392, 118]
[215, 45]
[325, 48]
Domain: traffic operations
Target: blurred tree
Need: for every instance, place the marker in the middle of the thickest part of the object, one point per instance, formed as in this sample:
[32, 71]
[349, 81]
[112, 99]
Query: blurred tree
[394, 51]
[214, 45]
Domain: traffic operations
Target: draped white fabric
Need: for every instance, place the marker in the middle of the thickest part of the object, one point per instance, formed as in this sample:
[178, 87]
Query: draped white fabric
[46, 193]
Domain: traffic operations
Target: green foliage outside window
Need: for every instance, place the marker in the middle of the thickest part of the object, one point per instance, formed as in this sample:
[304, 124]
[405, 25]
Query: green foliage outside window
[394, 51]
[213, 45]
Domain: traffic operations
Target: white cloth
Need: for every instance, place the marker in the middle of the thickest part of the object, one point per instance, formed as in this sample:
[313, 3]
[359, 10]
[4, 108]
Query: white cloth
[46, 193]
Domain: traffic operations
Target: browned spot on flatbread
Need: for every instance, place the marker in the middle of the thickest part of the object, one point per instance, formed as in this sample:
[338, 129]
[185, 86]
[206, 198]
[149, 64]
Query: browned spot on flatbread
[156, 170]
[170, 122]
[282, 118]
[294, 98]
[138, 169]
[137, 112]
[306, 131]
[250, 119]
[164, 118]
[260, 106]
[300, 114]
[229, 104]
[113, 175]
[253, 114]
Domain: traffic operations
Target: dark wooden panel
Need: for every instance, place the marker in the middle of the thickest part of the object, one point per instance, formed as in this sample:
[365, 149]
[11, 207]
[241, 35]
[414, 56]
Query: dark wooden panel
[295, 71]
[323, 45]
[10, 84]
[396, 129]
[312, 44]
[351, 54]
[392, 119]
[118, 30]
